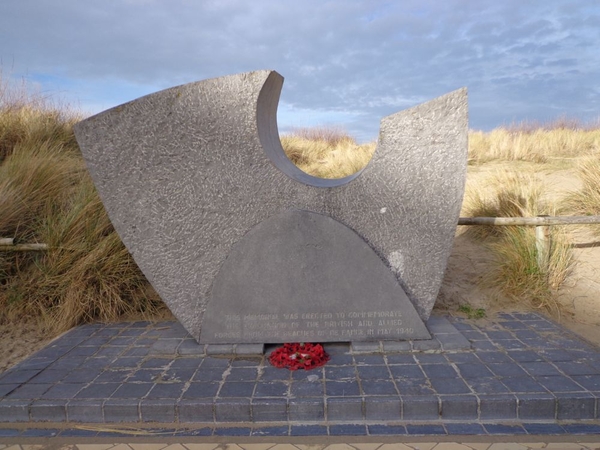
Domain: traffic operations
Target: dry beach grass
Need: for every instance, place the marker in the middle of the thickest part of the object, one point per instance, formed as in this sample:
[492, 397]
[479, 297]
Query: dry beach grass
[47, 196]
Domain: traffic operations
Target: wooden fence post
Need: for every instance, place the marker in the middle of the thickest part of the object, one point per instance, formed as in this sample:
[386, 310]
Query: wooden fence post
[543, 244]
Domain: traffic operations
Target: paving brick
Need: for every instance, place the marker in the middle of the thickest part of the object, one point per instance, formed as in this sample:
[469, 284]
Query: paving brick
[524, 355]
[369, 360]
[453, 341]
[462, 357]
[48, 411]
[85, 411]
[543, 428]
[540, 369]
[119, 410]
[396, 346]
[194, 411]
[232, 431]
[98, 390]
[152, 410]
[486, 386]
[340, 360]
[449, 386]
[49, 376]
[165, 347]
[432, 344]
[233, 410]
[373, 372]
[307, 389]
[269, 431]
[29, 391]
[559, 384]
[219, 349]
[495, 428]
[242, 374]
[342, 388]
[414, 386]
[497, 407]
[575, 406]
[458, 407]
[380, 430]
[484, 346]
[345, 409]
[365, 347]
[201, 390]
[425, 429]
[6, 389]
[523, 385]
[536, 406]
[474, 370]
[269, 409]
[14, 410]
[507, 369]
[582, 428]
[400, 359]
[189, 347]
[249, 349]
[378, 387]
[341, 373]
[306, 409]
[237, 389]
[420, 407]
[466, 429]
[308, 430]
[214, 363]
[271, 389]
[18, 376]
[128, 390]
[439, 371]
[347, 430]
[383, 408]
[407, 371]
[430, 358]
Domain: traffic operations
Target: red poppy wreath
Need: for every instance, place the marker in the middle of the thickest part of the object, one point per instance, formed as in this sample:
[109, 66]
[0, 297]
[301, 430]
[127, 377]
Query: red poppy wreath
[299, 356]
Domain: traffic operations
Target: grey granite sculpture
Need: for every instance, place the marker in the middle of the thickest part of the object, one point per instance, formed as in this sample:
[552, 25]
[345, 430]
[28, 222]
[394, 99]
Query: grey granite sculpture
[186, 172]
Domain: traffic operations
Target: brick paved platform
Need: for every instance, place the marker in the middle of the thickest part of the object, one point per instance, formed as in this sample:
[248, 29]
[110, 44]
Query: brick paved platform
[521, 374]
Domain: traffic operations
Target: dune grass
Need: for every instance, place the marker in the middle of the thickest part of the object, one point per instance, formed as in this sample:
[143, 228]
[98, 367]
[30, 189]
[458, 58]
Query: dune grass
[519, 271]
[326, 152]
[46, 195]
[538, 143]
[586, 201]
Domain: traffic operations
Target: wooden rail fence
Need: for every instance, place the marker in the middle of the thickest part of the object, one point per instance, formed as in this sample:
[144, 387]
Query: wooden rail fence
[541, 223]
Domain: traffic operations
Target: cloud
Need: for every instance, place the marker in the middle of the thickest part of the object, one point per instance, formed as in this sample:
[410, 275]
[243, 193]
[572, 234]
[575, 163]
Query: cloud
[344, 61]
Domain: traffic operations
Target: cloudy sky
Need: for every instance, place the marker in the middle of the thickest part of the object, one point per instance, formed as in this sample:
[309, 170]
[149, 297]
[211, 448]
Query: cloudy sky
[346, 63]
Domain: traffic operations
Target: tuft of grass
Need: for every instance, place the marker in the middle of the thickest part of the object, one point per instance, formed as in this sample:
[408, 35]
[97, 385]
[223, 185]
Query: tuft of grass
[518, 271]
[472, 313]
[46, 195]
[520, 275]
[586, 201]
[504, 194]
[326, 152]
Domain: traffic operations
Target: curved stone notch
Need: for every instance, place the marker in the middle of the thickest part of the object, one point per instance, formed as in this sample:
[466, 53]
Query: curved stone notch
[186, 172]
[304, 277]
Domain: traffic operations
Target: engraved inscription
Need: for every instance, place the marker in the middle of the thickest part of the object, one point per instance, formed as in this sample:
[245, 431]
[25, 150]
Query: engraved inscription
[308, 326]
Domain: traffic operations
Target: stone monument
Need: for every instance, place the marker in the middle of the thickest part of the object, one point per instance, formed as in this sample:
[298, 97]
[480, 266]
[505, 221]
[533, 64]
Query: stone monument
[244, 247]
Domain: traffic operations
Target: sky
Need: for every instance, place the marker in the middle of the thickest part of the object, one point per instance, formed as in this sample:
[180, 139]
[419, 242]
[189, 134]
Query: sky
[346, 63]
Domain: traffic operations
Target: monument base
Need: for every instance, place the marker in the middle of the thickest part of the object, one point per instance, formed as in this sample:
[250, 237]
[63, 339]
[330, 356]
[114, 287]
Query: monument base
[304, 277]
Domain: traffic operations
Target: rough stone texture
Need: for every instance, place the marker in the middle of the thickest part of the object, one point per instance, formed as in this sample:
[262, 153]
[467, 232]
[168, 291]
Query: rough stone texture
[185, 173]
[301, 276]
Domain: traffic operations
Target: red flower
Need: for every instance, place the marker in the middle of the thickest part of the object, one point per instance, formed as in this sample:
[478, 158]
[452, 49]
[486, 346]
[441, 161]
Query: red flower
[299, 356]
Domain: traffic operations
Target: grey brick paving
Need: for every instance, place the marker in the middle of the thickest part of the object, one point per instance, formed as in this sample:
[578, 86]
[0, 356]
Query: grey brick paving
[520, 374]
